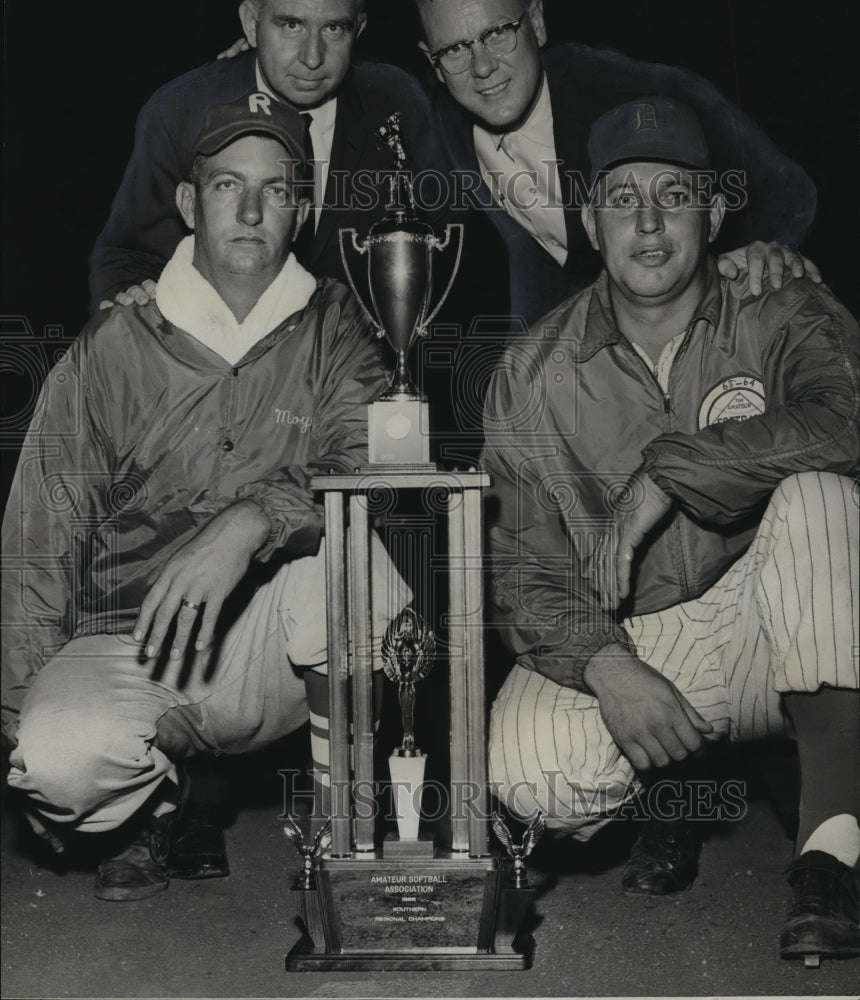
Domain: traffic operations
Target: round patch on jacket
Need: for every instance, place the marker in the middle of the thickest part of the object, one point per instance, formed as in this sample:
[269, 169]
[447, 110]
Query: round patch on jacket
[736, 398]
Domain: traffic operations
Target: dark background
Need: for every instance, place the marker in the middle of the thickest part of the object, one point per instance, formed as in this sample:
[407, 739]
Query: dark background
[76, 75]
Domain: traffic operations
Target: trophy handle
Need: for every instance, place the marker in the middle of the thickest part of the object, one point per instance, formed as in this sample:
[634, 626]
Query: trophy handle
[442, 244]
[345, 237]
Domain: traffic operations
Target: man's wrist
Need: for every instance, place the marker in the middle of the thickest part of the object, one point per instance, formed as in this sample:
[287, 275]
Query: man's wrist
[599, 667]
[259, 526]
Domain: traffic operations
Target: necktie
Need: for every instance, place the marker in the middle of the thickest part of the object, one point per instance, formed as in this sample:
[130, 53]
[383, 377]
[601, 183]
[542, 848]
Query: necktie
[307, 118]
[317, 170]
[302, 244]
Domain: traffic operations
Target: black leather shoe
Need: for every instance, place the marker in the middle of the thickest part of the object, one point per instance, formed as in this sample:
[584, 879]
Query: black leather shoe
[824, 919]
[663, 860]
[137, 871]
[131, 874]
[198, 849]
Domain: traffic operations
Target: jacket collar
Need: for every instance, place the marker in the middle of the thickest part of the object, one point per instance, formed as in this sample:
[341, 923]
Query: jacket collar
[601, 329]
[194, 354]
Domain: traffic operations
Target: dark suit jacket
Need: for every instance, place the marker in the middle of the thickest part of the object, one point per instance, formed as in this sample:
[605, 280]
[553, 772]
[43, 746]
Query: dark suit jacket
[586, 82]
[144, 226]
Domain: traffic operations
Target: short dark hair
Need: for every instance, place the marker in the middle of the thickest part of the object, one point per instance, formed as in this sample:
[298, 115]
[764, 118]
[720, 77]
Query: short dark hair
[197, 164]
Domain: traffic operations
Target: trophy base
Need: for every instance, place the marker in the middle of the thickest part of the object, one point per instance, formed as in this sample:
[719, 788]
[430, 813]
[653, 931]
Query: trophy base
[421, 848]
[302, 958]
[398, 431]
[400, 468]
[407, 781]
[447, 913]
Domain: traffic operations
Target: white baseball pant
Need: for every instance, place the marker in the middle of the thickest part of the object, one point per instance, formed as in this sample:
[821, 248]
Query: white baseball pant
[86, 754]
[783, 618]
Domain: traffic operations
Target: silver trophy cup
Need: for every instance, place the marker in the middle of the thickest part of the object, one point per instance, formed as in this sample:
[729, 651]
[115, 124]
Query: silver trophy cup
[399, 282]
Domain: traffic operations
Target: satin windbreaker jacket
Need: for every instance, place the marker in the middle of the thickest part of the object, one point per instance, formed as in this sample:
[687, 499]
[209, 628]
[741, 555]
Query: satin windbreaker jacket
[760, 388]
[142, 434]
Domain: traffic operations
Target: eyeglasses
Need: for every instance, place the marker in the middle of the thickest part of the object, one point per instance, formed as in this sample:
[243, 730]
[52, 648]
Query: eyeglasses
[498, 41]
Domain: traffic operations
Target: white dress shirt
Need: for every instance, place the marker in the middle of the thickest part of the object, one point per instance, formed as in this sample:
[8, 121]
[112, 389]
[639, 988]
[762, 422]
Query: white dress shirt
[322, 134]
[521, 170]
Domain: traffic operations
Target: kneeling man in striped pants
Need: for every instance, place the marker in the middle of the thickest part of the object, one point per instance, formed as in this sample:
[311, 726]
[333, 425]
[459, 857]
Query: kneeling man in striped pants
[675, 545]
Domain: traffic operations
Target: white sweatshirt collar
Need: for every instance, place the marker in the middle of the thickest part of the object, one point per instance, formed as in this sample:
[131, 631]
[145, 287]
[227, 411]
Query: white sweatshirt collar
[187, 300]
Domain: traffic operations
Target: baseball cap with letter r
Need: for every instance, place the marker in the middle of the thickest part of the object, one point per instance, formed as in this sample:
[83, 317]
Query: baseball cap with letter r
[254, 114]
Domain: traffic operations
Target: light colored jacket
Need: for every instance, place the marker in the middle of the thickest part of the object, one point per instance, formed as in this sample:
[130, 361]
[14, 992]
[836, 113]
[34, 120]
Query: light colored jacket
[142, 434]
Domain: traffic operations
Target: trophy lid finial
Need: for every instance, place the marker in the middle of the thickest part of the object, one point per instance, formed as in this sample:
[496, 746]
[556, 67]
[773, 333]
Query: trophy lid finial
[389, 135]
[401, 204]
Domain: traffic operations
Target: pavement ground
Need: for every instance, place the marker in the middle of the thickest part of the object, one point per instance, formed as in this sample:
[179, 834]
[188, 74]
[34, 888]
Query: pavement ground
[228, 937]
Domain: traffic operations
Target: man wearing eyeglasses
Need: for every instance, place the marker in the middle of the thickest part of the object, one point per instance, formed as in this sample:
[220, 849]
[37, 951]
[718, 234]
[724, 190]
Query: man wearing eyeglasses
[514, 119]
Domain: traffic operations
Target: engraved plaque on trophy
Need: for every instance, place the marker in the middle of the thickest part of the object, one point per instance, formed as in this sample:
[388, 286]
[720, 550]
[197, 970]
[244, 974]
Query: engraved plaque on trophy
[399, 286]
[410, 906]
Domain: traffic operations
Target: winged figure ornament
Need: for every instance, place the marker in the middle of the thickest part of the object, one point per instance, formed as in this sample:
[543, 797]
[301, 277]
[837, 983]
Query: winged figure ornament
[309, 853]
[519, 852]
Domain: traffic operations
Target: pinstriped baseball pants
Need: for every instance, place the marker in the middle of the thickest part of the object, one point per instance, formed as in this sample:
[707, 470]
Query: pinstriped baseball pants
[783, 618]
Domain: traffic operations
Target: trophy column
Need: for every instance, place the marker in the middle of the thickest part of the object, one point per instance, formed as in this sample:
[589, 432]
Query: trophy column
[416, 905]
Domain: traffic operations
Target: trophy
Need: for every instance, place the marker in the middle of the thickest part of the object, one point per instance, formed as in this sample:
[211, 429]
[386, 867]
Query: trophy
[413, 901]
[399, 282]
[407, 657]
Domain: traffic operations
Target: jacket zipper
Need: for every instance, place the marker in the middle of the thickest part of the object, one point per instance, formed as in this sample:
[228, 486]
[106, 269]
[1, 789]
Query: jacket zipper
[652, 375]
[681, 562]
[677, 526]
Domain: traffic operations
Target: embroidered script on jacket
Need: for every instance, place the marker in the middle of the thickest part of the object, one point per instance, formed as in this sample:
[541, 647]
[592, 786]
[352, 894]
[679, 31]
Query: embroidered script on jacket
[288, 417]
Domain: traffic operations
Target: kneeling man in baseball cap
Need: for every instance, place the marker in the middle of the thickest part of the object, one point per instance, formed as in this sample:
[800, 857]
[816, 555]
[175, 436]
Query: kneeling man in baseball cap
[675, 557]
[164, 593]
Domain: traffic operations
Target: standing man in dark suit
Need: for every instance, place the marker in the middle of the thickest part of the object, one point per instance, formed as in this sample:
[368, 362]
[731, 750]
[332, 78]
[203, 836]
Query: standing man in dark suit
[514, 118]
[301, 53]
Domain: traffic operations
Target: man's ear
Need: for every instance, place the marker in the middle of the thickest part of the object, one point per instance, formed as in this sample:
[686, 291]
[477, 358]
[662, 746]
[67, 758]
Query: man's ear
[538, 23]
[590, 225]
[186, 198]
[716, 214]
[248, 17]
[440, 76]
[360, 24]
